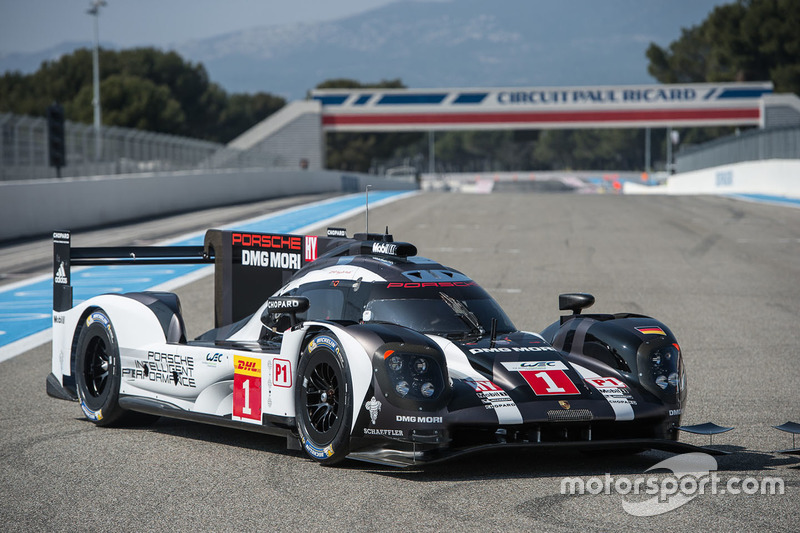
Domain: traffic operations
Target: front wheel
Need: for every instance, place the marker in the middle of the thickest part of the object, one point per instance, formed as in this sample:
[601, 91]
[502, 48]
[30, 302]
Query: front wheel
[324, 400]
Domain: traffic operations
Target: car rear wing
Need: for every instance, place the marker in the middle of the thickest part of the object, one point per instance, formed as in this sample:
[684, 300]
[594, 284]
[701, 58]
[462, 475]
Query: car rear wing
[248, 267]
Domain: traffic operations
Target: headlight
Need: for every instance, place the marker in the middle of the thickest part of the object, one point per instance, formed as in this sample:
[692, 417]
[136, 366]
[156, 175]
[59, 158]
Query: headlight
[395, 363]
[402, 388]
[661, 369]
[412, 376]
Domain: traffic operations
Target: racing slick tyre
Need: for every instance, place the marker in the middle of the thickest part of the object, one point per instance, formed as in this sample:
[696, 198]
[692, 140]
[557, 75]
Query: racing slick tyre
[324, 400]
[97, 374]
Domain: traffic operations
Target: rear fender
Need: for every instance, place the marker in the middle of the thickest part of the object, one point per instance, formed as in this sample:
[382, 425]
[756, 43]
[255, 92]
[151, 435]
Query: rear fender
[134, 325]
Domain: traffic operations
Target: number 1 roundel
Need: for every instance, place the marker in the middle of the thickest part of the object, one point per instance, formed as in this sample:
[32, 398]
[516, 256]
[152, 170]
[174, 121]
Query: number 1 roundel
[546, 382]
[247, 389]
[544, 377]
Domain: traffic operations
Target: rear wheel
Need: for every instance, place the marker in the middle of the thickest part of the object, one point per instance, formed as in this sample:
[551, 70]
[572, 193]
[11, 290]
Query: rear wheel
[324, 401]
[97, 374]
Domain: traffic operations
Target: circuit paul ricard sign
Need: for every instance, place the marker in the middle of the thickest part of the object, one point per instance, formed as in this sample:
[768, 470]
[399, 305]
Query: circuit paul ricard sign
[625, 106]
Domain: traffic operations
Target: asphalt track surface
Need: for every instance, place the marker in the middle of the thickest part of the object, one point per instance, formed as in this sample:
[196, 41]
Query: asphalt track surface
[722, 274]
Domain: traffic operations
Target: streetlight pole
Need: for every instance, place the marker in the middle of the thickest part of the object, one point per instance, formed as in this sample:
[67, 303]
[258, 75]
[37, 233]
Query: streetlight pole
[94, 9]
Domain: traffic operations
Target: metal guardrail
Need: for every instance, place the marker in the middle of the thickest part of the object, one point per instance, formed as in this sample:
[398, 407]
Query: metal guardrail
[754, 145]
[23, 151]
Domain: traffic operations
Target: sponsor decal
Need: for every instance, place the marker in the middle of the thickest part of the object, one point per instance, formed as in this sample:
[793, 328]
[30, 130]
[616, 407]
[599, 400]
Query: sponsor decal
[315, 451]
[490, 395]
[374, 407]
[383, 432]
[323, 340]
[164, 368]
[280, 305]
[614, 390]
[482, 385]
[265, 259]
[384, 248]
[60, 236]
[506, 349]
[246, 389]
[90, 414]
[282, 372]
[419, 419]
[257, 240]
[675, 412]
[311, 248]
[59, 319]
[213, 359]
[607, 383]
[101, 319]
[650, 330]
[724, 178]
[519, 366]
[337, 232]
[61, 275]
[414, 285]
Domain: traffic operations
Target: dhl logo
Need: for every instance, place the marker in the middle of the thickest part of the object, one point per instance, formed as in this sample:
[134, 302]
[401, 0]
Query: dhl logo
[247, 366]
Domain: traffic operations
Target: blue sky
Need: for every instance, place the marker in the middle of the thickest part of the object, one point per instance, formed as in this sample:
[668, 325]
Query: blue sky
[34, 25]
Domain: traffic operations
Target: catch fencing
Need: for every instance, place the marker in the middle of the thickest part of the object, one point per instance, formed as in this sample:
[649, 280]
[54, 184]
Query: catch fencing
[754, 145]
[24, 151]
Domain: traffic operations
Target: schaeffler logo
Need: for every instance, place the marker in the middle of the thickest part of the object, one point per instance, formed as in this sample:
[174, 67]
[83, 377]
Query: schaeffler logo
[693, 474]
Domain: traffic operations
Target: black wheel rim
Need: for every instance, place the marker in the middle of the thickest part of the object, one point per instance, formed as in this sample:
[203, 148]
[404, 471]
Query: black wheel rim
[323, 398]
[97, 364]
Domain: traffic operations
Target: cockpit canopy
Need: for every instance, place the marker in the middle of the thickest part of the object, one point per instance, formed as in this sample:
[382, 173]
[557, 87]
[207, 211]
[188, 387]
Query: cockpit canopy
[453, 309]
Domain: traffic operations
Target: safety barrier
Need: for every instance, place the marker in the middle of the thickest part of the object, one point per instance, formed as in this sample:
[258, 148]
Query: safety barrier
[776, 177]
[37, 207]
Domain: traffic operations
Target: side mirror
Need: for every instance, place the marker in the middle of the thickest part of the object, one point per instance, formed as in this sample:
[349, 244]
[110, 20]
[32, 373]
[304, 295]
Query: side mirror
[284, 305]
[575, 302]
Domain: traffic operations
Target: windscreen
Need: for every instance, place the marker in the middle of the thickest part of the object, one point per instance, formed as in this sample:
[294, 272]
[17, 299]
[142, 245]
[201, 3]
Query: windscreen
[447, 308]
[444, 310]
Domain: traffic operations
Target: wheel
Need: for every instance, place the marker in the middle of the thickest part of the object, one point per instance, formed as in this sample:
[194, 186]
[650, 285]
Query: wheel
[324, 400]
[97, 374]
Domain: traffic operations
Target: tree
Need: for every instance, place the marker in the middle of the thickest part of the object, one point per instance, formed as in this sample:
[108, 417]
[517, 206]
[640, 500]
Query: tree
[749, 40]
[141, 88]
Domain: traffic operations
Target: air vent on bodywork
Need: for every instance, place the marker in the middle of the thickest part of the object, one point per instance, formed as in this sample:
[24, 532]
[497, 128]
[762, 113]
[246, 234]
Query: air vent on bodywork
[572, 415]
[435, 275]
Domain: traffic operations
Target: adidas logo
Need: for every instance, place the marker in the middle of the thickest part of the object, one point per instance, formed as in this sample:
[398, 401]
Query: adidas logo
[61, 275]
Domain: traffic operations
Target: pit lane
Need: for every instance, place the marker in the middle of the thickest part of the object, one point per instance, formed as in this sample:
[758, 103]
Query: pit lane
[721, 273]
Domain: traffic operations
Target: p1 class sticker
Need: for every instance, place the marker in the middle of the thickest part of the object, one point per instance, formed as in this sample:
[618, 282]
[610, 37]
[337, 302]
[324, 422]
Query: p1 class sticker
[614, 390]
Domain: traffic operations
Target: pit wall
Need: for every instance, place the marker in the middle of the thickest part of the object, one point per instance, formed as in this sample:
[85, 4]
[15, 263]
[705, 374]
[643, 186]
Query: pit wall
[37, 207]
[773, 177]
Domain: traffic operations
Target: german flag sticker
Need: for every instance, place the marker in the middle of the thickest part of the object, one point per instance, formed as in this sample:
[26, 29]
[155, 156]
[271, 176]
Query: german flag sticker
[650, 330]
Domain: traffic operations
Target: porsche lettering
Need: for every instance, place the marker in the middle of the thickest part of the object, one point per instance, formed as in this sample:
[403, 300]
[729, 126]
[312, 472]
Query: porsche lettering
[256, 240]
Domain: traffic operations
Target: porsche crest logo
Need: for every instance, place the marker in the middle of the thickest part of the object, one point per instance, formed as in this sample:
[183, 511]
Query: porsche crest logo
[564, 404]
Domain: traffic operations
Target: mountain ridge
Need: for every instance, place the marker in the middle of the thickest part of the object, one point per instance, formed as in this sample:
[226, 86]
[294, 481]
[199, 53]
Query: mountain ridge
[464, 43]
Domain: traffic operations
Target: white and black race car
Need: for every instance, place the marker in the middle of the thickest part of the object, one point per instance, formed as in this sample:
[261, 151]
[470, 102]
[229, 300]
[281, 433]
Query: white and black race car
[357, 347]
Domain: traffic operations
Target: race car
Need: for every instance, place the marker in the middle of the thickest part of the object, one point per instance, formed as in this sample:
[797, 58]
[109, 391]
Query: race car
[357, 347]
